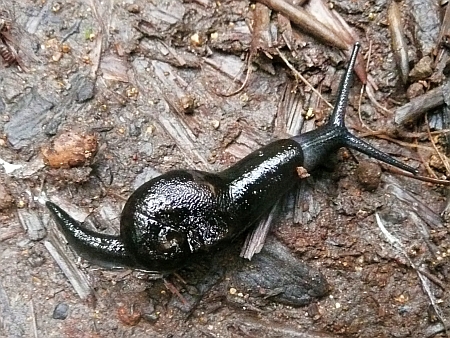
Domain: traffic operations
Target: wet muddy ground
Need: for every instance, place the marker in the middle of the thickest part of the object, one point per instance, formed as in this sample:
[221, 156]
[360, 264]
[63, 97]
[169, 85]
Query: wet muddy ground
[98, 97]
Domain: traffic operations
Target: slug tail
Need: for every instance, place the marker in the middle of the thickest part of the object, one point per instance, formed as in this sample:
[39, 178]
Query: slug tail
[101, 249]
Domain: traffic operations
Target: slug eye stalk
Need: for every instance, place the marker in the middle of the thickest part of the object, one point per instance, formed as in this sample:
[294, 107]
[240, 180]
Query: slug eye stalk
[319, 143]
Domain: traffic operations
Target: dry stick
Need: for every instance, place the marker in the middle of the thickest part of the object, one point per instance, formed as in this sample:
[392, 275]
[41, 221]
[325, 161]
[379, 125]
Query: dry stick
[415, 108]
[33, 318]
[371, 96]
[362, 91]
[443, 159]
[181, 279]
[401, 143]
[422, 134]
[306, 22]
[426, 164]
[433, 278]
[173, 289]
[260, 24]
[376, 133]
[300, 76]
[399, 46]
[369, 56]
[244, 84]
[396, 171]
[359, 110]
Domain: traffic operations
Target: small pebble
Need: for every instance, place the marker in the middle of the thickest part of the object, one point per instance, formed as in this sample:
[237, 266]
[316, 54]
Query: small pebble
[149, 314]
[152, 318]
[61, 311]
[57, 56]
[436, 163]
[313, 311]
[422, 70]
[188, 104]
[215, 124]
[368, 175]
[133, 8]
[416, 89]
[127, 316]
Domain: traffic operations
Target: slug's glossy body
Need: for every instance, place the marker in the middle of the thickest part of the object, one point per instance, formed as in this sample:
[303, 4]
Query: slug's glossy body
[171, 218]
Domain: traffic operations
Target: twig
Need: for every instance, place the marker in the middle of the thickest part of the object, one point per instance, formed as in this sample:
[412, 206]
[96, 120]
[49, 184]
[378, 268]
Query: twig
[77, 278]
[426, 164]
[415, 108]
[401, 143]
[255, 240]
[300, 76]
[306, 22]
[433, 278]
[174, 290]
[361, 93]
[396, 171]
[371, 96]
[369, 55]
[244, 84]
[33, 319]
[72, 30]
[442, 157]
[399, 46]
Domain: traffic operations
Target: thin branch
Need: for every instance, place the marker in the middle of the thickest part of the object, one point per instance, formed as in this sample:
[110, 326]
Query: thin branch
[300, 76]
[441, 156]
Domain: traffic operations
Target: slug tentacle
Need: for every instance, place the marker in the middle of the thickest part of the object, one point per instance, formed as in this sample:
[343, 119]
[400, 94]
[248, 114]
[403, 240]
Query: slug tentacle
[317, 144]
[98, 248]
[337, 118]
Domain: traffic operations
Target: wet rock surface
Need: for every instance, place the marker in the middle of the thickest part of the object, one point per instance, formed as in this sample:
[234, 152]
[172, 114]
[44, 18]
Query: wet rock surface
[27, 119]
[61, 311]
[277, 275]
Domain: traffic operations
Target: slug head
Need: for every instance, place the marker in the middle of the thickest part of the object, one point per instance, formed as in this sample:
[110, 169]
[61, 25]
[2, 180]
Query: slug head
[319, 143]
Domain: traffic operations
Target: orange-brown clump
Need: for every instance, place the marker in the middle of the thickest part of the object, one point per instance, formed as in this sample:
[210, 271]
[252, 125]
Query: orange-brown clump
[70, 149]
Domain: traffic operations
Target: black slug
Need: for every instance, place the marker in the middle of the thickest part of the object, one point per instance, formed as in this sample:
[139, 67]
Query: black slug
[171, 218]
